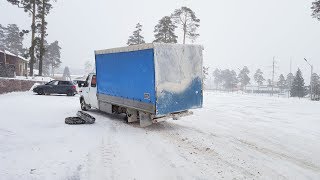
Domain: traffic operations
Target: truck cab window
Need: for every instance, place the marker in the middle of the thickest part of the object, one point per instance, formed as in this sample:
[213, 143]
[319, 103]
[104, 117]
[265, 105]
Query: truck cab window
[94, 81]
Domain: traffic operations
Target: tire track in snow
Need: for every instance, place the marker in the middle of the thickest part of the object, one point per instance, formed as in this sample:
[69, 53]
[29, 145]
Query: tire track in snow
[191, 144]
[100, 162]
[297, 161]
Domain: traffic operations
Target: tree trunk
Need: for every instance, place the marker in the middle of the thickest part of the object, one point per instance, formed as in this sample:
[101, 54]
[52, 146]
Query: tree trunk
[42, 37]
[52, 70]
[184, 33]
[33, 29]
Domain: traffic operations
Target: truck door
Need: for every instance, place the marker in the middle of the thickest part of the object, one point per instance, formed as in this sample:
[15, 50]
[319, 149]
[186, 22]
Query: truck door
[93, 92]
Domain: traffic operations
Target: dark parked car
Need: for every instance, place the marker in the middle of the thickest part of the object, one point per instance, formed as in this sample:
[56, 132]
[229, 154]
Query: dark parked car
[57, 87]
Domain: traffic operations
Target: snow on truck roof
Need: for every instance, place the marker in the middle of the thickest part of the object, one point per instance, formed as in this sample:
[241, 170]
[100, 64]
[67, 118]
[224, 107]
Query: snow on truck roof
[137, 47]
[125, 49]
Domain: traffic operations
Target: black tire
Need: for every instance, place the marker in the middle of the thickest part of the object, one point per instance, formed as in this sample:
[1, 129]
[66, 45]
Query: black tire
[74, 120]
[86, 117]
[41, 92]
[84, 106]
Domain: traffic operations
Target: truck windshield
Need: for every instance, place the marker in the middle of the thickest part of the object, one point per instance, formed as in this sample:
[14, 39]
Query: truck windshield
[86, 83]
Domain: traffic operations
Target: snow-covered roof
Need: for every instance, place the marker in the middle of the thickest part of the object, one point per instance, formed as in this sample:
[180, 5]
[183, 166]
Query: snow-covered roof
[8, 52]
[22, 58]
[11, 54]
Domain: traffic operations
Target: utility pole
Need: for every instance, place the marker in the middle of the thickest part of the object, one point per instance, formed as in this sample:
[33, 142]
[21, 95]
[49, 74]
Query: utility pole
[311, 84]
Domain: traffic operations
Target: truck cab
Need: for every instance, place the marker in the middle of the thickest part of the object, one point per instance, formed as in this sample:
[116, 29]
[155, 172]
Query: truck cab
[88, 93]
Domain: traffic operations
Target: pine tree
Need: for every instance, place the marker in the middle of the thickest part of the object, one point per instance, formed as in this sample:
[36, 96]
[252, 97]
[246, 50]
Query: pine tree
[205, 71]
[36, 52]
[258, 77]
[217, 77]
[289, 80]
[136, 38]
[164, 31]
[282, 82]
[243, 77]
[44, 7]
[46, 63]
[315, 84]
[188, 21]
[233, 80]
[2, 37]
[297, 88]
[52, 57]
[229, 78]
[316, 9]
[269, 83]
[13, 39]
[66, 74]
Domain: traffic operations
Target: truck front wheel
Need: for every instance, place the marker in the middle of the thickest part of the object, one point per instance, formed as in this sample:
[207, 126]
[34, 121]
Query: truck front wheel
[83, 105]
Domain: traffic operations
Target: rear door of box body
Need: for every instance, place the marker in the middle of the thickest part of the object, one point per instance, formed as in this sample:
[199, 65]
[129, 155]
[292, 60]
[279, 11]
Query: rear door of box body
[127, 78]
[178, 76]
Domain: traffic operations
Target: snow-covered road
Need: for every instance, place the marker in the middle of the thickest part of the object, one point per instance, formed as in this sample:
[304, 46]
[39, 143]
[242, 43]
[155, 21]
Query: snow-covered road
[233, 137]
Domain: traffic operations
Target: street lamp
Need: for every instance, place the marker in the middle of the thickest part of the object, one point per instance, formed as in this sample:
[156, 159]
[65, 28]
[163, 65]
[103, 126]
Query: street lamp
[311, 88]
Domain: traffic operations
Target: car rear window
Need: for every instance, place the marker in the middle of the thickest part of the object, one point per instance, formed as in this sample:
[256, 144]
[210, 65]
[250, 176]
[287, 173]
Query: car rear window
[65, 83]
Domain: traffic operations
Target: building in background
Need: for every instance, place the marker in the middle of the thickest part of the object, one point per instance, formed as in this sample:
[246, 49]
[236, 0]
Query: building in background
[20, 64]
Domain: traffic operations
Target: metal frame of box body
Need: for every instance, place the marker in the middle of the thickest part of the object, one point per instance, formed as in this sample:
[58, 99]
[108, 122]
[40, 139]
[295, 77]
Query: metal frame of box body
[120, 101]
[128, 103]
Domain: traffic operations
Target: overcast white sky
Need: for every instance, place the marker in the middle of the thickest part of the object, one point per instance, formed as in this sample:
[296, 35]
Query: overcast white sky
[234, 33]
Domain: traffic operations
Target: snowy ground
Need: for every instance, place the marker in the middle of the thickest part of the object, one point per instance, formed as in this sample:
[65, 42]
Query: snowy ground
[233, 137]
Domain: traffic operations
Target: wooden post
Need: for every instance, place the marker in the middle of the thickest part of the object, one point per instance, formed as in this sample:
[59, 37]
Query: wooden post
[5, 57]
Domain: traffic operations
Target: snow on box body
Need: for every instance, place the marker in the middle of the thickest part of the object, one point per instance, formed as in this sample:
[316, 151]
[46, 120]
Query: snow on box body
[156, 78]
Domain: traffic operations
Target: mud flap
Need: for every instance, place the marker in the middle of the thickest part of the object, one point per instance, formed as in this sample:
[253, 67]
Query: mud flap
[145, 119]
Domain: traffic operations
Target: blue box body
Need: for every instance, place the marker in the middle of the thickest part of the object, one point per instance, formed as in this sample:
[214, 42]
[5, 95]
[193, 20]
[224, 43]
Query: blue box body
[127, 75]
[149, 76]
